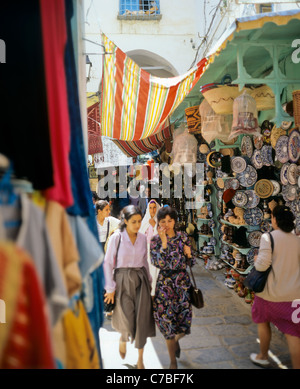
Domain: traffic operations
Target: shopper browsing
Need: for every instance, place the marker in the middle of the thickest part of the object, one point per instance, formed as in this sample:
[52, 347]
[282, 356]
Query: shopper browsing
[275, 303]
[105, 223]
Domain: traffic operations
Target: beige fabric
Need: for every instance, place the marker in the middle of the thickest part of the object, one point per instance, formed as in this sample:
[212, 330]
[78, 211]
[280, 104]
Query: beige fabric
[133, 316]
[283, 282]
[64, 245]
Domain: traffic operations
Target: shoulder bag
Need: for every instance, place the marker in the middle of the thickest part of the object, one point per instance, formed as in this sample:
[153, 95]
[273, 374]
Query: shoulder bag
[109, 307]
[256, 280]
[196, 296]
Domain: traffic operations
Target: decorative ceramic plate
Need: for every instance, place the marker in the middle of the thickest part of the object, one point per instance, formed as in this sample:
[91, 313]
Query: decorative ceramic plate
[299, 182]
[294, 146]
[220, 183]
[292, 174]
[281, 149]
[253, 199]
[238, 164]
[254, 238]
[264, 188]
[266, 155]
[258, 141]
[240, 199]
[276, 186]
[289, 192]
[276, 133]
[235, 184]
[247, 146]
[251, 254]
[256, 159]
[283, 173]
[266, 226]
[254, 216]
[248, 177]
[213, 241]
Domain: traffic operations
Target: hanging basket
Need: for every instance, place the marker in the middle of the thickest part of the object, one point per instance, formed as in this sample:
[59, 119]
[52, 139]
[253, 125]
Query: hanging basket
[264, 97]
[193, 119]
[296, 107]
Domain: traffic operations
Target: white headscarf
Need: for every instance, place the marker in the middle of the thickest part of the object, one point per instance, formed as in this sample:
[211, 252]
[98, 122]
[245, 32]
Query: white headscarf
[145, 222]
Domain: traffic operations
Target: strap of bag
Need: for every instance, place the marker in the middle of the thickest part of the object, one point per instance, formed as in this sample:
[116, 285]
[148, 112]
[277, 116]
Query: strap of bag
[272, 241]
[117, 252]
[192, 274]
[107, 232]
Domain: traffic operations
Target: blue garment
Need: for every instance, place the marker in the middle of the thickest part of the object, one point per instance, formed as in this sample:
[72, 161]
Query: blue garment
[82, 195]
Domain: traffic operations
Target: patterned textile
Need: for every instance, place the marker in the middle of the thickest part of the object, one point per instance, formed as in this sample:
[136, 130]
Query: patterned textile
[135, 104]
[278, 313]
[94, 133]
[172, 307]
[144, 146]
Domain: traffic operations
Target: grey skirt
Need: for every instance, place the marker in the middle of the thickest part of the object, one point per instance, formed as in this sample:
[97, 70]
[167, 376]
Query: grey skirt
[133, 316]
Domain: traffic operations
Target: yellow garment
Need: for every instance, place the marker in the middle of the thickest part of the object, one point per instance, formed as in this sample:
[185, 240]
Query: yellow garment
[79, 339]
[64, 245]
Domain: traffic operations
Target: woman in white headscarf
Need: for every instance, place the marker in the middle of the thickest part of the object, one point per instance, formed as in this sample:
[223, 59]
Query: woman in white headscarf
[149, 227]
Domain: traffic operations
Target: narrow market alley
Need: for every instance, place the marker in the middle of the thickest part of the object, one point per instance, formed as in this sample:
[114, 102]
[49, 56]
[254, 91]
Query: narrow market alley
[222, 334]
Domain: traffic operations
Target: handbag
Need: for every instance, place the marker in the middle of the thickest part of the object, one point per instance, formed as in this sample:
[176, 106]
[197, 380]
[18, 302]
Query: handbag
[196, 296]
[256, 280]
[109, 307]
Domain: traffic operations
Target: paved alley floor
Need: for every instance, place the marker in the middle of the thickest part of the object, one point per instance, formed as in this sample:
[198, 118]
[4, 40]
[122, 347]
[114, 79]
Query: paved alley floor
[222, 335]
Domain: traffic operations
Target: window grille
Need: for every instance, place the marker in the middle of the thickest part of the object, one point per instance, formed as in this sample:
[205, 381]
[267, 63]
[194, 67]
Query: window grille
[263, 8]
[144, 9]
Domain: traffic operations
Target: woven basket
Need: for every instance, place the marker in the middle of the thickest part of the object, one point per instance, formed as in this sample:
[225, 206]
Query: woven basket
[193, 119]
[221, 98]
[296, 107]
[264, 97]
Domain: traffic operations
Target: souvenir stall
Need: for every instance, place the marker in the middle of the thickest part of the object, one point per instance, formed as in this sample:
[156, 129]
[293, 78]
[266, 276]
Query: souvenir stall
[249, 145]
[51, 277]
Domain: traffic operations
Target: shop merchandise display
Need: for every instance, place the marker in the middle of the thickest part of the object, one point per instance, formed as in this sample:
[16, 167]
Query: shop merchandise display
[260, 170]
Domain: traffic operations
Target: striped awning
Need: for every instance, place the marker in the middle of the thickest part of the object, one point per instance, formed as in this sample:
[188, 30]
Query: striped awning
[134, 104]
[144, 146]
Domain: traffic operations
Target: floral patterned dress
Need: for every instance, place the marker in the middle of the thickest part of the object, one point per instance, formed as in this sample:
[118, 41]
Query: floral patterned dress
[172, 307]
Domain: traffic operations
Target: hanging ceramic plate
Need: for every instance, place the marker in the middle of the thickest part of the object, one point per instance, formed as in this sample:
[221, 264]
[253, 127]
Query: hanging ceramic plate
[283, 174]
[264, 188]
[240, 199]
[254, 238]
[256, 159]
[253, 199]
[220, 183]
[254, 216]
[248, 177]
[251, 254]
[238, 164]
[281, 149]
[266, 155]
[235, 184]
[294, 146]
[247, 146]
[292, 174]
[289, 192]
[276, 133]
[266, 226]
[276, 186]
[258, 141]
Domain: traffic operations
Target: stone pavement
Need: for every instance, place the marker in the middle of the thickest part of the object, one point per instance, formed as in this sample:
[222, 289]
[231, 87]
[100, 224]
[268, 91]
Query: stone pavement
[222, 334]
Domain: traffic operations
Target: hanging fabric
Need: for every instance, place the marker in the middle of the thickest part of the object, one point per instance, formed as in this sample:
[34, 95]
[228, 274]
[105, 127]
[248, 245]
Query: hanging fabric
[135, 104]
[54, 35]
[24, 135]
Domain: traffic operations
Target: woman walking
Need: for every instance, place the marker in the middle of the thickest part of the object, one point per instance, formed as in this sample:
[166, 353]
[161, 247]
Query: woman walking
[149, 228]
[106, 224]
[170, 252]
[275, 303]
[129, 284]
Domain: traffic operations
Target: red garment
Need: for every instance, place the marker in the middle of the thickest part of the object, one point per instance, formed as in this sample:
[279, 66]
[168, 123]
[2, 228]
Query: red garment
[54, 40]
[28, 342]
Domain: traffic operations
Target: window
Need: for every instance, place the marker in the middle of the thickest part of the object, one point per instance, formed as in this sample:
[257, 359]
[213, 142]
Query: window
[263, 8]
[139, 9]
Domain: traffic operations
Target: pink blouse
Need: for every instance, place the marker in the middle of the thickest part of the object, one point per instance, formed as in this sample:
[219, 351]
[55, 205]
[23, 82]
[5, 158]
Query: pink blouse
[129, 255]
